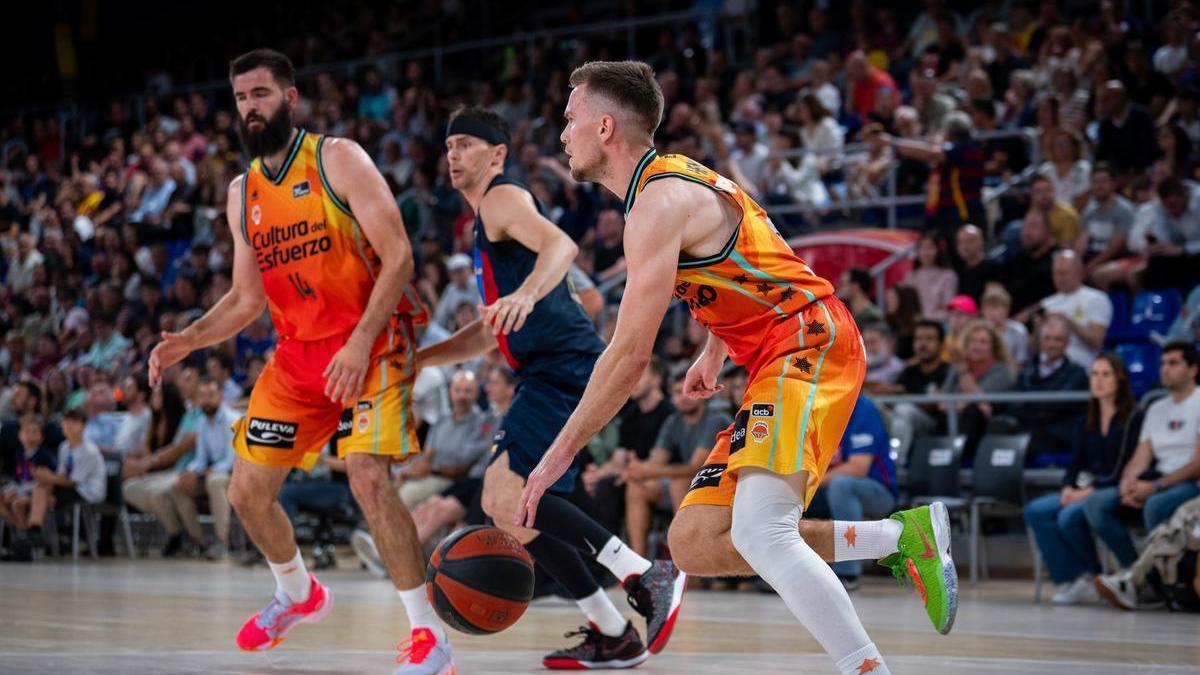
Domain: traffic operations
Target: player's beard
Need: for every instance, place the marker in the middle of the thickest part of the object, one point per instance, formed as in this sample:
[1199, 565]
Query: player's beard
[272, 138]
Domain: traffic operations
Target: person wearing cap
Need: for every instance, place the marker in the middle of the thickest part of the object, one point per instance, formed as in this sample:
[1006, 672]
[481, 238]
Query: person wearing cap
[461, 289]
[960, 311]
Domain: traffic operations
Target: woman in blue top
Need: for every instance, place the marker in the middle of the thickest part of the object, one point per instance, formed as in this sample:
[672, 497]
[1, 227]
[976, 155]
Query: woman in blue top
[1057, 520]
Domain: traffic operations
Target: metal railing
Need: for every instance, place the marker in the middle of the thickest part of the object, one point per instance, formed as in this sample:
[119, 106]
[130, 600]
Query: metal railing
[984, 397]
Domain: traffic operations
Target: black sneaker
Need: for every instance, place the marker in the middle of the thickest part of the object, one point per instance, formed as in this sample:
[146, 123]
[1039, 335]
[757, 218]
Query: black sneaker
[599, 651]
[173, 546]
[657, 595]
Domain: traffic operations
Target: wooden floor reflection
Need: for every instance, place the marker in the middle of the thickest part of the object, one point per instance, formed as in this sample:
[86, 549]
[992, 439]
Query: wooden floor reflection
[152, 616]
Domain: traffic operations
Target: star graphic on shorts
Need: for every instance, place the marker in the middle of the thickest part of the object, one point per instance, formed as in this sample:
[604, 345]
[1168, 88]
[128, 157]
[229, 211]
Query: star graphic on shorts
[816, 327]
[787, 294]
[764, 288]
[851, 536]
[741, 279]
[867, 666]
[804, 366]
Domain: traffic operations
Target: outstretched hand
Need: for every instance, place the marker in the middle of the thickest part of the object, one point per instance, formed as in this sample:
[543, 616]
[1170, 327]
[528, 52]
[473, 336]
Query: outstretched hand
[173, 349]
[553, 465]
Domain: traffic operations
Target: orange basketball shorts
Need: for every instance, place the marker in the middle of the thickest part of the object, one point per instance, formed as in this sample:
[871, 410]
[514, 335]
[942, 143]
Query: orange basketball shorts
[794, 411]
[290, 420]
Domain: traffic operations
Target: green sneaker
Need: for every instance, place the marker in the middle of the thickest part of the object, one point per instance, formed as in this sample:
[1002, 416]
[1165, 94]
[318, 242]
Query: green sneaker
[924, 558]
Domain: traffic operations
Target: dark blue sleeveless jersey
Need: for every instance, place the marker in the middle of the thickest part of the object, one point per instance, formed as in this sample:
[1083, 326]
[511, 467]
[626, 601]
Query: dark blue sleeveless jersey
[558, 340]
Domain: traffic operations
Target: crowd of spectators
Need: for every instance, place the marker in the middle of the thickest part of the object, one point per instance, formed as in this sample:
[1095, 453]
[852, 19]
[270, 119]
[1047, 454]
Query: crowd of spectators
[113, 231]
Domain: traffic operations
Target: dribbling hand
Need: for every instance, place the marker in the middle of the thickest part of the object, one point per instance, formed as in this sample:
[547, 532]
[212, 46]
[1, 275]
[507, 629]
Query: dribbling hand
[553, 465]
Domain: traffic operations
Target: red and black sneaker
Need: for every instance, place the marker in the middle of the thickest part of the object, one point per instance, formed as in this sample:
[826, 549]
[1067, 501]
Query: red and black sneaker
[599, 651]
[657, 595]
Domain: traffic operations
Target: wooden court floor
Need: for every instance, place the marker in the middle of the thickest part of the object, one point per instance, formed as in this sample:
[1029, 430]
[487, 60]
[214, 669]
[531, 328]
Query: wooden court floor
[153, 616]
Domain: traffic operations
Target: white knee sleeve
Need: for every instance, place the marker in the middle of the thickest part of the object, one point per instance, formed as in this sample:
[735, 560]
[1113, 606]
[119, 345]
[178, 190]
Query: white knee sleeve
[766, 516]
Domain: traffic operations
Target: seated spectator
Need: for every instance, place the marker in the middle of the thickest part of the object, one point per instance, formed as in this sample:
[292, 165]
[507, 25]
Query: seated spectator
[883, 366]
[820, 132]
[1126, 132]
[935, 282]
[974, 269]
[1053, 424]
[455, 447]
[996, 305]
[460, 290]
[663, 478]
[1027, 273]
[19, 481]
[324, 489]
[220, 368]
[855, 288]
[1063, 219]
[640, 422]
[903, 313]
[984, 367]
[149, 477]
[1087, 311]
[608, 249]
[864, 82]
[1162, 473]
[79, 476]
[1098, 447]
[924, 375]
[961, 312]
[748, 157]
[1067, 169]
[861, 481]
[867, 172]
[1165, 571]
[1186, 327]
[211, 465]
[1107, 219]
[134, 428]
[1167, 234]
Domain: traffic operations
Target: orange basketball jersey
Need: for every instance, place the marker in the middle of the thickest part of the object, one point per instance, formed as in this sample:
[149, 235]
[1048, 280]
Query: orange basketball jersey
[317, 266]
[751, 293]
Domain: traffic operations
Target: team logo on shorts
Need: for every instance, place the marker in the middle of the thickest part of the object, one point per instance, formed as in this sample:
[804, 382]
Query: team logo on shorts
[760, 431]
[709, 475]
[300, 189]
[762, 410]
[271, 433]
[362, 422]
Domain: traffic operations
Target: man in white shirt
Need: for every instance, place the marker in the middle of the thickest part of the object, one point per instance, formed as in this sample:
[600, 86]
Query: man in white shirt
[80, 476]
[1164, 468]
[134, 428]
[1088, 311]
[461, 289]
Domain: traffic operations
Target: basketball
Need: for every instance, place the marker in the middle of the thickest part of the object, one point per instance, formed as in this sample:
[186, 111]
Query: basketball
[480, 580]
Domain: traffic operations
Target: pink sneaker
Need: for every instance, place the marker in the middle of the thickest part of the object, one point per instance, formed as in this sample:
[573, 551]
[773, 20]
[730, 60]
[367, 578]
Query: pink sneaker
[270, 626]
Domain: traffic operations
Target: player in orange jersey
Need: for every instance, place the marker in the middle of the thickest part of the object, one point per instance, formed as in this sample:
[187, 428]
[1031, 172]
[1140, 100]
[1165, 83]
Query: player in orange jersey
[319, 242]
[694, 234]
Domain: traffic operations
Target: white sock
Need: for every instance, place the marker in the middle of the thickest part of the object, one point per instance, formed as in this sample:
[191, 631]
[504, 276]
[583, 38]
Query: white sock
[600, 610]
[865, 539]
[865, 660]
[291, 579]
[420, 612]
[765, 531]
[621, 560]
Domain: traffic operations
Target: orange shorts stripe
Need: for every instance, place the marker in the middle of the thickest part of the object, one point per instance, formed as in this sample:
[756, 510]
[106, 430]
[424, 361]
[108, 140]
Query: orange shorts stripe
[794, 411]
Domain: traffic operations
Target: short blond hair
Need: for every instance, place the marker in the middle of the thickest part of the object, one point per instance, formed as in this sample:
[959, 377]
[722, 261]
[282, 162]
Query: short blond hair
[630, 84]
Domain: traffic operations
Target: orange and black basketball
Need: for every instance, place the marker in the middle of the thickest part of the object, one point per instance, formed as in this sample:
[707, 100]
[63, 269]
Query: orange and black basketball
[480, 580]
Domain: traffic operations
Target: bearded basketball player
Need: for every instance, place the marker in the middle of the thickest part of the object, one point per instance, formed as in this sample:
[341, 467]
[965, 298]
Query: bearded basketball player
[319, 242]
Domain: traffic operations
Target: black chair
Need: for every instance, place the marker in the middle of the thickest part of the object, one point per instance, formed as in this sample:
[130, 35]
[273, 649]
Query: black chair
[933, 471]
[998, 481]
[88, 514]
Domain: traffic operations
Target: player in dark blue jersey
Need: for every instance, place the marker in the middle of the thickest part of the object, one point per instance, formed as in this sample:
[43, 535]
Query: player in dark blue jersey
[521, 262]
